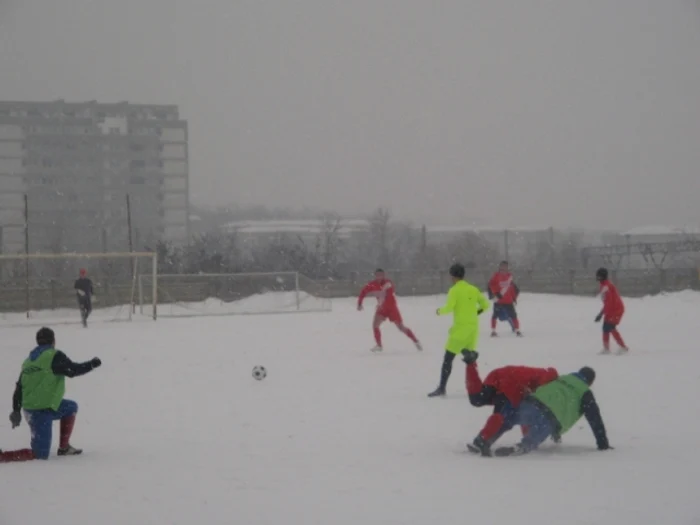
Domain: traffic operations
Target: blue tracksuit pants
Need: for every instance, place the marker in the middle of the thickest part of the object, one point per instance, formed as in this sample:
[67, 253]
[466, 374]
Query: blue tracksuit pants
[539, 424]
[41, 426]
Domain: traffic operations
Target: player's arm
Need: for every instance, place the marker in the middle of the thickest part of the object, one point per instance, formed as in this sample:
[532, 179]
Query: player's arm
[590, 409]
[483, 302]
[63, 366]
[451, 303]
[90, 286]
[17, 396]
[363, 293]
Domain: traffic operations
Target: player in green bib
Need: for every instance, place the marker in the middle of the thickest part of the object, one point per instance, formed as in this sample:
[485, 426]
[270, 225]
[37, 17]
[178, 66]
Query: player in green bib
[553, 409]
[39, 392]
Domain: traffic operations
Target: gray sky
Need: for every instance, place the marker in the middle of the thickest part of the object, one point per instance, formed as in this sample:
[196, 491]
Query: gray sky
[515, 112]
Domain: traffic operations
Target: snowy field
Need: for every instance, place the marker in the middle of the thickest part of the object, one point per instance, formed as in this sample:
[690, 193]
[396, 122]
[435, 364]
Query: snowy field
[176, 431]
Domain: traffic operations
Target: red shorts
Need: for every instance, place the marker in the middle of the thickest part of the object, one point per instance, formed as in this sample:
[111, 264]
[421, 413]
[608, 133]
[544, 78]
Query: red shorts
[390, 314]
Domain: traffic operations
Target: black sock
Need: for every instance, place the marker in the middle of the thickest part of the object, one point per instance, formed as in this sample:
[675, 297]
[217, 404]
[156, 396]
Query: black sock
[446, 369]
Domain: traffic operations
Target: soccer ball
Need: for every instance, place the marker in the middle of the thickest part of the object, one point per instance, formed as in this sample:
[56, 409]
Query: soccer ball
[259, 372]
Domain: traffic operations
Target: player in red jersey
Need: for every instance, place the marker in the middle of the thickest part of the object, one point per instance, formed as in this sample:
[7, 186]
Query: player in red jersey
[504, 388]
[612, 312]
[504, 291]
[387, 309]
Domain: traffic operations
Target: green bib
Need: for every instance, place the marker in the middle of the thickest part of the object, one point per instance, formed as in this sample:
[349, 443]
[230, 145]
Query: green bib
[41, 388]
[563, 398]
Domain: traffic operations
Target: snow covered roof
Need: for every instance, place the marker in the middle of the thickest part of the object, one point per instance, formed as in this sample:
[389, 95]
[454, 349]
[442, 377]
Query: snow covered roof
[662, 230]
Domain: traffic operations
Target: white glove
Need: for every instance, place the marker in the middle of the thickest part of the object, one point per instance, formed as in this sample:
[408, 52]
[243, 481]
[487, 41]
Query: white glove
[80, 292]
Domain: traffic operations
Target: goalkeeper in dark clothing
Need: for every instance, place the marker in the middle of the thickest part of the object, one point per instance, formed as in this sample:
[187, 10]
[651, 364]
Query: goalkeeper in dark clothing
[84, 293]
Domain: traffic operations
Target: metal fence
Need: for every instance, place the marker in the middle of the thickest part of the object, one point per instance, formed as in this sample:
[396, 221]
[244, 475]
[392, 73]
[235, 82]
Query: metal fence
[113, 290]
[631, 283]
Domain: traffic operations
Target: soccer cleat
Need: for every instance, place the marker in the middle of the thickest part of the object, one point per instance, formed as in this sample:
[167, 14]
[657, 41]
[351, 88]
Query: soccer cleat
[419, 346]
[438, 392]
[479, 446]
[70, 450]
[622, 351]
[376, 349]
[604, 351]
[493, 333]
[518, 333]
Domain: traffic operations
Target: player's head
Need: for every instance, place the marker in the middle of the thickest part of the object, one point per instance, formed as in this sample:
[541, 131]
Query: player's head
[457, 271]
[503, 267]
[587, 374]
[601, 274]
[83, 272]
[379, 274]
[45, 336]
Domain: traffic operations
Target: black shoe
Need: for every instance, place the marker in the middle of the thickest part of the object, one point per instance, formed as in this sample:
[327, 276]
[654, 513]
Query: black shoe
[469, 357]
[479, 446]
[438, 392]
[69, 451]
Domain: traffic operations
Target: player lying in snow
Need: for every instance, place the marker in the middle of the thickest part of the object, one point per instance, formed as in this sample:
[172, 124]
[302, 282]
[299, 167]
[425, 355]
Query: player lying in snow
[387, 308]
[504, 292]
[504, 389]
[553, 409]
[40, 392]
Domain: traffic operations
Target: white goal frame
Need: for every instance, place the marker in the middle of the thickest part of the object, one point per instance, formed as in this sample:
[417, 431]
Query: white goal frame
[295, 306]
[95, 255]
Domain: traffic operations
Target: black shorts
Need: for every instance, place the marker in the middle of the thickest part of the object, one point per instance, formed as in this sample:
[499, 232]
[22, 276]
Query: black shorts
[504, 312]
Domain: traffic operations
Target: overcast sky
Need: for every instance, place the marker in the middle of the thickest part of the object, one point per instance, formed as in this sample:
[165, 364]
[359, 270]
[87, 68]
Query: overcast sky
[511, 112]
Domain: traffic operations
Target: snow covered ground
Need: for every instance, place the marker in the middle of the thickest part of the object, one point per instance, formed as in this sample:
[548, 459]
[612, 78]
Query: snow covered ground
[176, 431]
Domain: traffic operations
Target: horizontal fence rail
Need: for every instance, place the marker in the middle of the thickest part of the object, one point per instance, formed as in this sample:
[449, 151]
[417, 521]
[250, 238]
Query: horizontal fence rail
[50, 294]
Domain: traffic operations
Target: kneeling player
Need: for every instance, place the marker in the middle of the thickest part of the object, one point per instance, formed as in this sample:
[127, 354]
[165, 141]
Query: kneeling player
[39, 392]
[387, 308]
[504, 388]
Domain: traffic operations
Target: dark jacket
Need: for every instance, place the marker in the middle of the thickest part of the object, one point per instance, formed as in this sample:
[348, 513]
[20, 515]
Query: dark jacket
[85, 285]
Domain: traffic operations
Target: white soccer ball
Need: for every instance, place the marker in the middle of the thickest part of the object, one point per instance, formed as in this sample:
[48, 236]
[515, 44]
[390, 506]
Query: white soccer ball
[259, 372]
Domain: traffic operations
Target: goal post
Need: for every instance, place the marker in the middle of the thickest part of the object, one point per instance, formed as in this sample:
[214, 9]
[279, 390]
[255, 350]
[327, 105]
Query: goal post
[220, 294]
[39, 286]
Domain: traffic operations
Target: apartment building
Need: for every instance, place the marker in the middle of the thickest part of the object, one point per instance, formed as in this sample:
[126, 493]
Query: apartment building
[77, 162]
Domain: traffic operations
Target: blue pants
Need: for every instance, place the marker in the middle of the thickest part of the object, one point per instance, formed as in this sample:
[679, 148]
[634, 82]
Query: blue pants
[41, 423]
[539, 424]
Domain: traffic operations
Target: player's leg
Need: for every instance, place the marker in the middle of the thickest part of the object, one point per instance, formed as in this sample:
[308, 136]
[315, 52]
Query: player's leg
[376, 323]
[539, 428]
[66, 413]
[81, 307]
[513, 318]
[499, 422]
[608, 328]
[395, 317]
[23, 454]
[445, 372]
[617, 336]
[494, 318]
[40, 425]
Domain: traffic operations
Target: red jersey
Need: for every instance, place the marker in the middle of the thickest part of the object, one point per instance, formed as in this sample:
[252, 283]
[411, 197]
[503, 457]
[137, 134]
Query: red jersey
[503, 284]
[515, 382]
[383, 290]
[613, 307]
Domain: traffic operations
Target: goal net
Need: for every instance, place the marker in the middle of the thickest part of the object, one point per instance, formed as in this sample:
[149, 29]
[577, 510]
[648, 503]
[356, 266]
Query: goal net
[39, 288]
[190, 295]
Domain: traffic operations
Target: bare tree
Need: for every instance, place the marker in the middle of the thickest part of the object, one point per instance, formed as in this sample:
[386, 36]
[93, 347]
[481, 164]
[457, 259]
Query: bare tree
[379, 223]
